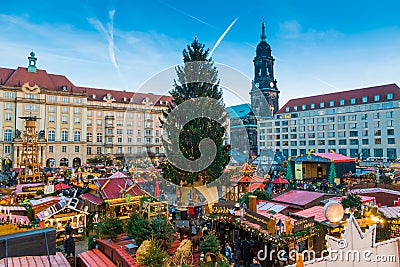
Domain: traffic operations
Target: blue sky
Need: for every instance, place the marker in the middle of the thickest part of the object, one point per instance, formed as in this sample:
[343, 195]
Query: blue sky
[319, 47]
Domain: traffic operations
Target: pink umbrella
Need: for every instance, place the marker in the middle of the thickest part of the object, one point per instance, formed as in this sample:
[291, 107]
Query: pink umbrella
[280, 180]
[157, 189]
[61, 186]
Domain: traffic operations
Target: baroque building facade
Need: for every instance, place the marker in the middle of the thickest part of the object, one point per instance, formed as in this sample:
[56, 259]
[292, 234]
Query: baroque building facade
[76, 123]
[264, 98]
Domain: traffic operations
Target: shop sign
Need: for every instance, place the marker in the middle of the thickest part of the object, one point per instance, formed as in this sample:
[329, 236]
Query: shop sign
[256, 218]
[302, 224]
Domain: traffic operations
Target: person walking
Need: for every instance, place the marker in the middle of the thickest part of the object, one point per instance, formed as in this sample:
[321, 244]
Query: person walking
[228, 252]
[69, 246]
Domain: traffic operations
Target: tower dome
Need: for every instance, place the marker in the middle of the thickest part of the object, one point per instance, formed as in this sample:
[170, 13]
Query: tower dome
[263, 48]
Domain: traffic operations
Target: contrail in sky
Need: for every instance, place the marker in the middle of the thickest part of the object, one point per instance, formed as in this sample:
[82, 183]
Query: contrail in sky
[109, 34]
[186, 14]
[222, 36]
[326, 83]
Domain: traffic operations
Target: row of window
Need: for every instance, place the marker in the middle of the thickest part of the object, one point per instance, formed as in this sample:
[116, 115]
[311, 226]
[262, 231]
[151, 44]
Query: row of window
[364, 153]
[99, 139]
[120, 150]
[330, 119]
[341, 142]
[342, 126]
[342, 102]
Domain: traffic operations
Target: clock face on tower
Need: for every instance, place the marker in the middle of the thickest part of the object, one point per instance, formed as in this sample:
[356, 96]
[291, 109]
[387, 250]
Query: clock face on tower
[271, 84]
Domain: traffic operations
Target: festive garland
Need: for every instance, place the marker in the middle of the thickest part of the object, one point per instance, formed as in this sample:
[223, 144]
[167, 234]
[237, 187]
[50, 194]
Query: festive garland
[279, 240]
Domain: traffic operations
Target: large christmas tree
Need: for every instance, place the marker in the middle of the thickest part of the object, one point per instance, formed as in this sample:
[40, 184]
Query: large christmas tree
[197, 79]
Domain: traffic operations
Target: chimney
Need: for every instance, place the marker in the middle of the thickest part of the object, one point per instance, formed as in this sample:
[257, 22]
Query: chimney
[253, 203]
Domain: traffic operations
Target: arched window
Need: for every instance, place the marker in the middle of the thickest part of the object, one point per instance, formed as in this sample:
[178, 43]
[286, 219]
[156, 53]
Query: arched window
[7, 135]
[77, 136]
[51, 136]
[64, 136]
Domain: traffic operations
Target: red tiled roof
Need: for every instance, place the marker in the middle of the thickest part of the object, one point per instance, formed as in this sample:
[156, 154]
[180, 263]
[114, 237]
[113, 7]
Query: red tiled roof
[128, 260]
[54, 82]
[92, 198]
[36, 261]
[111, 188]
[370, 92]
[95, 258]
[256, 186]
[317, 211]
[247, 179]
[298, 197]
[335, 157]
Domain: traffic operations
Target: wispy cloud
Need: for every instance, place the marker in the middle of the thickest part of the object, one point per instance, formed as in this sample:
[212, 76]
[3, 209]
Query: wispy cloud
[186, 14]
[292, 29]
[108, 33]
[223, 36]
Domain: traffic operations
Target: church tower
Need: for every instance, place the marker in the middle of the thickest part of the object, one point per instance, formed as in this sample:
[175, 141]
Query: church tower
[264, 94]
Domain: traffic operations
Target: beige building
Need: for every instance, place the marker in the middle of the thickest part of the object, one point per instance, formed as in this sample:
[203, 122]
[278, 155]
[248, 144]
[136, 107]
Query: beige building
[76, 123]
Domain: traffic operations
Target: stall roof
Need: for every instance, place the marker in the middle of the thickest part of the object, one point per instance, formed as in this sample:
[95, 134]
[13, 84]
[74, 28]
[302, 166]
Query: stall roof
[12, 208]
[110, 188]
[45, 200]
[95, 258]
[36, 261]
[299, 198]
[335, 157]
[390, 212]
[317, 211]
[92, 198]
[19, 188]
[375, 190]
[266, 206]
[324, 157]
[364, 199]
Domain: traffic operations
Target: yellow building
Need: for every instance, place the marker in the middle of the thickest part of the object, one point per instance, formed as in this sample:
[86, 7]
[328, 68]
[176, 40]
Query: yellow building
[76, 122]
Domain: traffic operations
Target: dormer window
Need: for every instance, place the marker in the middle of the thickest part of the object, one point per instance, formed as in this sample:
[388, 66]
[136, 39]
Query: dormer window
[352, 101]
[125, 99]
[331, 103]
[365, 99]
[322, 104]
[94, 96]
[287, 109]
[64, 88]
[312, 106]
[389, 96]
[109, 96]
[295, 108]
[341, 102]
[303, 107]
[377, 97]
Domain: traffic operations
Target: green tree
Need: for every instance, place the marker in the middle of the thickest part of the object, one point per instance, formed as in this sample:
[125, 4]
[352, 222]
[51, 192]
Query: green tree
[197, 78]
[210, 244]
[151, 255]
[332, 173]
[289, 172]
[351, 201]
[138, 228]
[162, 229]
[111, 227]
